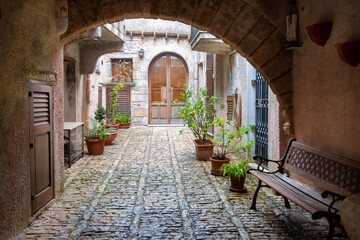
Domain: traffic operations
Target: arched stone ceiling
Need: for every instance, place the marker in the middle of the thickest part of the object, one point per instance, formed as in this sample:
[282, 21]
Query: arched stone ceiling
[255, 28]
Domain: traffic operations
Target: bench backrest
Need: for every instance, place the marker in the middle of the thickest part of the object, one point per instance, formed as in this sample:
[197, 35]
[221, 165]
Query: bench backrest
[338, 174]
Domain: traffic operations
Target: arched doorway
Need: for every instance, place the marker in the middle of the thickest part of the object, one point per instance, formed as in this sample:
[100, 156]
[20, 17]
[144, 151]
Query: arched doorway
[168, 73]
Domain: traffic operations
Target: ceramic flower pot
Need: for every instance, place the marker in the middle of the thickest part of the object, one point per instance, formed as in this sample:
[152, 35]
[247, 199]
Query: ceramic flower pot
[113, 125]
[95, 146]
[319, 33]
[216, 166]
[349, 52]
[237, 185]
[110, 137]
[124, 125]
[204, 151]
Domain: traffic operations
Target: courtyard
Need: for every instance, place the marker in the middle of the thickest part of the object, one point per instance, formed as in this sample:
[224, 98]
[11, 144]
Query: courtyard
[150, 185]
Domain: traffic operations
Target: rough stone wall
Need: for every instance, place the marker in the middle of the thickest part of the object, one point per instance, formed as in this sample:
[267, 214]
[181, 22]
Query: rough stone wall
[273, 128]
[239, 79]
[152, 47]
[326, 89]
[29, 50]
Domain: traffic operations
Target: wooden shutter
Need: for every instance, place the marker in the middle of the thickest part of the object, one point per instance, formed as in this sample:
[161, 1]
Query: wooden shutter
[210, 82]
[209, 74]
[124, 101]
[100, 96]
[124, 106]
[41, 148]
[230, 107]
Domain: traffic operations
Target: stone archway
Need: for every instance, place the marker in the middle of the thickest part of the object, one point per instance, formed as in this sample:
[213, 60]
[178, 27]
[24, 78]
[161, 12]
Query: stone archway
[255, 29]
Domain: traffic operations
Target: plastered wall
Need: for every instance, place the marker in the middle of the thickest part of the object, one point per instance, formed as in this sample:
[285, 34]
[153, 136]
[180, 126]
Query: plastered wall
[29, 50]
[326, 89]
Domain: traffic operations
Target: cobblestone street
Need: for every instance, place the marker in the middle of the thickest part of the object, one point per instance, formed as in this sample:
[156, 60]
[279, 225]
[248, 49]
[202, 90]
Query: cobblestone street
[150, 185]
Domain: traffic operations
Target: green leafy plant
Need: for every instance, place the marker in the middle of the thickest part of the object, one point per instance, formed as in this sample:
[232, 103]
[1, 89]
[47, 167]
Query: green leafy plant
[197, 113]
[122, 118]
[114, 100]
[123, 71]
[230, 140]
[97, 131]
[235, 169]
[100, 114]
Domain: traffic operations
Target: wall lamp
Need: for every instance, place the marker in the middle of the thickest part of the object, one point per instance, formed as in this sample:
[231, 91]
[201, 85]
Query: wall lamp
[141, 52]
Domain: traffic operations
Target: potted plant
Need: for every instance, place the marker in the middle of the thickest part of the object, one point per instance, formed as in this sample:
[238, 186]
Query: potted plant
[237, 174]
[111, 135]
[114, 103]
[95, 137]
[124, 121]
[123, 72]
[196, 115]
[229, 140]
[100, 114]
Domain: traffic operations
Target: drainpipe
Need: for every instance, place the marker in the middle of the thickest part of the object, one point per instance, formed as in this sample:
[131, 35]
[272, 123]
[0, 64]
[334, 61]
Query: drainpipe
[87, 99]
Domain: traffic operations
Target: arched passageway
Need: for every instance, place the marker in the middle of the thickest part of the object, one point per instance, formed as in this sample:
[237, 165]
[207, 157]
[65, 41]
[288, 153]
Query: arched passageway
[256, 30]
[322, 88]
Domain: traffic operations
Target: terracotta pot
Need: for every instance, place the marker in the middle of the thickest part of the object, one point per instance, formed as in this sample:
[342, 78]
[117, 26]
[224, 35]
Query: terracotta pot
[216, 166]
[319, 33]
[237, 185]
[114, 125]
[124, 125]
[204, 152]
[95, 146]
[349, 52]
[110, 137]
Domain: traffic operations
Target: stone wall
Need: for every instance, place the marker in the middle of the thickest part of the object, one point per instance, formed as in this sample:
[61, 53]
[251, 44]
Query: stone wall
[152, 47]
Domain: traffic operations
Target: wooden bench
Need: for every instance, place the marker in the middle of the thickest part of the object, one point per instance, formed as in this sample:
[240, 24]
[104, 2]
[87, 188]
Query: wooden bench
[339, 176]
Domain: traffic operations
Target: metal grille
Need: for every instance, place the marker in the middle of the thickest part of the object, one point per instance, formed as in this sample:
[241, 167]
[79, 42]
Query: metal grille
[261, 116]
[325, 168]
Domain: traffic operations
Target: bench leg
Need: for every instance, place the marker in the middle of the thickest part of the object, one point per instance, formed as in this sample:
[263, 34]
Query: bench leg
[253, 203]
[334, 221]
[287, 203]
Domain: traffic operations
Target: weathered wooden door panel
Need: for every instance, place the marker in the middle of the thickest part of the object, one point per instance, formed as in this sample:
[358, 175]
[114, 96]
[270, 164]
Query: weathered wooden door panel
[41, 149]
[210, 82]
[167, 76]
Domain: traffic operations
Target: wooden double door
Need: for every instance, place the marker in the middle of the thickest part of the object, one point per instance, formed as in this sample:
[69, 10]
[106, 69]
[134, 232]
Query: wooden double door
[168, 73]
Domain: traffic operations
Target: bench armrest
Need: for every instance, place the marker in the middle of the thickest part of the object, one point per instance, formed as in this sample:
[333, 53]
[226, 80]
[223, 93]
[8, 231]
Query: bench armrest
[280, 163]
[261, 160]
[335, 197]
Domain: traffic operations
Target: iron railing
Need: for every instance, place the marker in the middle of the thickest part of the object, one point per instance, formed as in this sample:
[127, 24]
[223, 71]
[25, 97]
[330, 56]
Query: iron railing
[261, 116]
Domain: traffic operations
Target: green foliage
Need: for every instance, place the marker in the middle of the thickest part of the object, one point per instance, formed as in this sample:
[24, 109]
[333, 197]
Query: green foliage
[100, 114]
[235, 169]
[123, 71]
[97, 131]
[114, 100]
[122, 118]
[230, 140]
[196, 113]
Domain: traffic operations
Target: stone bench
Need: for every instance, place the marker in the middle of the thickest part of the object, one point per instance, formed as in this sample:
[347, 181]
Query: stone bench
[338, 175]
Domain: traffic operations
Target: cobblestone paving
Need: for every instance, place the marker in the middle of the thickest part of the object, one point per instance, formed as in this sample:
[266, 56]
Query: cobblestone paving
[149, 185]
